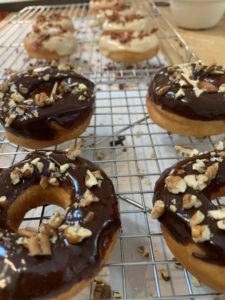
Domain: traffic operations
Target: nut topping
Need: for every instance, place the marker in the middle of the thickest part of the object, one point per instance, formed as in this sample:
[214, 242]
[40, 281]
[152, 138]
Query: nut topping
[200, 233]
[90, 179]
[217, 214]
[190, 201]
[2, 199]
[158, 209]
[197, 182]
[175, 184]
[56, 220]
[199, 166]
[27, 232]
[221, 224]
[184, 151]
[163, 90]
[219, 146]
[44, 182]
[89, 197]
[197, 218]
[27, 170]
[41, 99]
[15, 176]
[64, 168]
[73, 153]
[39, 245]
[76, 234]
[212, 171]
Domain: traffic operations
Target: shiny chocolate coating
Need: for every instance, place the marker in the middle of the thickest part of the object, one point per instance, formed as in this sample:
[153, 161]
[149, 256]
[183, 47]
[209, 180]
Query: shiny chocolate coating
[178, 222]
[70, 107]
[209, 105]
[26, 277]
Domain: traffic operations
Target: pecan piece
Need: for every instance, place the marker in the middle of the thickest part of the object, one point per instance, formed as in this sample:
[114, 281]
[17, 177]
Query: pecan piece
[56, 220]
[163, 90]
[76, 234]
[200, 233]
[158, 209]
[39, 245]
[175, 184]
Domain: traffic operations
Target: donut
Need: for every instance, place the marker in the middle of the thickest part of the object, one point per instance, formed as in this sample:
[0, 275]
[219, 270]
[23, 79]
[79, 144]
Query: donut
[121, 8]
[55, 19]
[188, 99]
[49, 41]
[97, 5]
[129, 47]
[192, 224]
[61, 257]
[120, 23]
[46, 106]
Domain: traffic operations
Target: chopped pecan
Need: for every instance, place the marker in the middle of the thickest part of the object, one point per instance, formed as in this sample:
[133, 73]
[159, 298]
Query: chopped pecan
[190, 201]
[27, 170]
[2, 199]
[41, 99]
[163, 90]
[39, 245]
[88, 198]
[56, 220]
[64, 168]
[76, 234]
[175, 184]
[16, 175]
[73, 153]
[90, 179]
[158, 209]
[211, 171]
[10, 120]
[199, 166]
[89, 216]
[197, 218]
[27, 232]
[221, 224]
[197, 182]
[200, 233]
[53, 181]
[217, 214]
[184, 151]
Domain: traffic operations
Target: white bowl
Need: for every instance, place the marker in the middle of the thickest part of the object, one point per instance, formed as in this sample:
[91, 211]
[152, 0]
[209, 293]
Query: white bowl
[197, 14]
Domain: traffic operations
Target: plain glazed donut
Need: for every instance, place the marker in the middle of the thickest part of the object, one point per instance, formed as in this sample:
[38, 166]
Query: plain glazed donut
[64, 254]
[46, 106]
[188, 99]
[129, 47]
[192, 225]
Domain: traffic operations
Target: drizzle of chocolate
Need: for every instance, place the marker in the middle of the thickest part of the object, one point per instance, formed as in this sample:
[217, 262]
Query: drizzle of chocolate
[177, 223]
[41, 276]
[68, 111]
[208, 106]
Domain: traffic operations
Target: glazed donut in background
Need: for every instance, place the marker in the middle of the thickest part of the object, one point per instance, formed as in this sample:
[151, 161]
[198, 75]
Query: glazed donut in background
[97, 5]
[120, 8]
[188, 99]
[49, 41]
[134, 22]
[55, 19]
[129, 47]
[61, 257]
[192, 225]
[46, 106]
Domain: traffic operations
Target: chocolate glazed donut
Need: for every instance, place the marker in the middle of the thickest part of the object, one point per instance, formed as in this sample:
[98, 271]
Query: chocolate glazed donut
[66, 252]
[192, 224]
[188, 99]
[46, 106]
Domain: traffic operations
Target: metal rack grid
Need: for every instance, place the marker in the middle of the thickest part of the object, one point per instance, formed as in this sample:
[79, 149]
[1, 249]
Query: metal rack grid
[130, 148]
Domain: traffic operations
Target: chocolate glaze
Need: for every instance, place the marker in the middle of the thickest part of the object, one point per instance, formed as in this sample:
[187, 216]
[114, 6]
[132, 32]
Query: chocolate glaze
[67, 110]
[207, 106]
[39, 276]
[177, 223]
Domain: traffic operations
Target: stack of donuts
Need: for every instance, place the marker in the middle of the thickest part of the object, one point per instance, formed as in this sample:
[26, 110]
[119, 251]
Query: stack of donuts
[51, 37]
[128, 35]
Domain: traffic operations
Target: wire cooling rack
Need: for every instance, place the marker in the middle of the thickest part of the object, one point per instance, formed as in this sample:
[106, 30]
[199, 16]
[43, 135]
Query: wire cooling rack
[126, 144]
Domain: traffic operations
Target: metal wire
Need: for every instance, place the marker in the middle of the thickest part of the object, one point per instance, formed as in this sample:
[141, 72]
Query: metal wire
[124, 142]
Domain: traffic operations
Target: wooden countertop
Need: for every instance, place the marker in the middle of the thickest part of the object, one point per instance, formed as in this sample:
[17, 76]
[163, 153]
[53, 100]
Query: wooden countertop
[208, 44]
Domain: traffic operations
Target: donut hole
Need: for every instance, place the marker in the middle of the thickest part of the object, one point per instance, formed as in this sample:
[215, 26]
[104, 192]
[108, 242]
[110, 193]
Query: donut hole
[34, 197]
